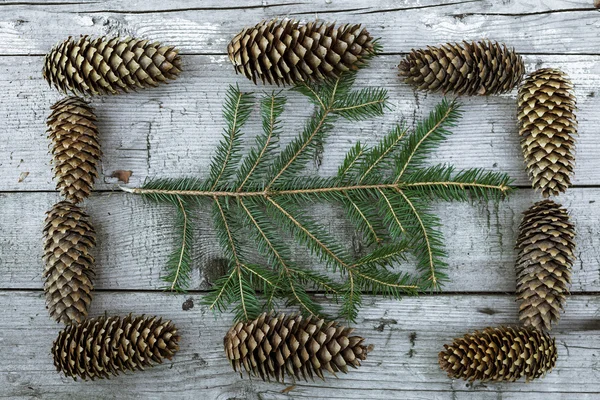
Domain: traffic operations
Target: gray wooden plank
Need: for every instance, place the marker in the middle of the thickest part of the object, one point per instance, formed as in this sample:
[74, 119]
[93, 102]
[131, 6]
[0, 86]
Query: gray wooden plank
[135, 239]
[407, 336]
[206, 28]
[158, 6]
[173, 130]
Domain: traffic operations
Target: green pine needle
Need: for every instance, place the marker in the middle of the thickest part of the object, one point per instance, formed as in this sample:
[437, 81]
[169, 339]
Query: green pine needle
[179, 263]
[386, 191]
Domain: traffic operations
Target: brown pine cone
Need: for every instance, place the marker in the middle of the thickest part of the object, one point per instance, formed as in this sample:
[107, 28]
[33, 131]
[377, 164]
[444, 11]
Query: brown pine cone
[285, 52]
[69, 239]
[500, 354]
[105, 346]
[272, 346]
[75, 148]
[109, 66]
[547, 126]
[546, 255]
[476, 68]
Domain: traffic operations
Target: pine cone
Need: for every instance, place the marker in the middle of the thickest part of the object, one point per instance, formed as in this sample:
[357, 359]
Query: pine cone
[547, 125]
[546, 255]
[109, 66]
[285, 52]
[68, 240]
[105, 346]
[500, 354]
[75, 148]
[476, 68]
[273, 345]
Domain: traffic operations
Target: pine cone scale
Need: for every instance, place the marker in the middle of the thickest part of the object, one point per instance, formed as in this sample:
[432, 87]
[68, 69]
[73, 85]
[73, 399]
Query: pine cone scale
[285, 52]
[547, 126]
[477, 68]
[544, 264]
[101, 347]
[68, 241]
[75, 147]
[109, 66]
[499, 354]
[272, 346]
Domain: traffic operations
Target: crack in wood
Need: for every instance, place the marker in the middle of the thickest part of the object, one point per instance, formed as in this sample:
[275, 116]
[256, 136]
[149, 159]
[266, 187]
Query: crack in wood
[177, 10]
[419, 7]
[546, 12]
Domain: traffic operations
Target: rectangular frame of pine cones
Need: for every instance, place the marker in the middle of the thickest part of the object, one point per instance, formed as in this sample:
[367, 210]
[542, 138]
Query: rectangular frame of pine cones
[273, 346]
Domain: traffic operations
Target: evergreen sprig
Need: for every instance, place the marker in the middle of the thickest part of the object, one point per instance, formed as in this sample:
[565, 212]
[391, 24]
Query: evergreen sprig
[386, 191]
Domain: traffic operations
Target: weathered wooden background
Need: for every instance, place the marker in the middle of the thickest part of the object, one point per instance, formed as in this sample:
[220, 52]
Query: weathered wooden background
[173, 130]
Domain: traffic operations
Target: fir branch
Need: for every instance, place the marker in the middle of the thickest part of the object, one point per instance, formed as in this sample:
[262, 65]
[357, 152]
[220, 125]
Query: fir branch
[428, 246]
[353, 106]
[361, 105]
[248, 305]
[298, 296]
[316, 280]
[271, 108]
[442, 182]
[385, 191]
[390, 284]
[381, 154]
[222, 294]
[384, 256]
[309, 233]
[499, 190]
[351, 161]
[373, 276]
[391, 215]
[228, 242]
[293, 159]
[338, 88]
[266, 278]
[428, 134]
[179, 264]
[352, 299]
[364, 218]
[267, 244]
[278, 255]
[236, 111]
[312, 93]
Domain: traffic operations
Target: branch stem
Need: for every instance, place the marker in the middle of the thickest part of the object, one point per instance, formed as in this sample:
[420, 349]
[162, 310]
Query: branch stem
[386, 283]
[267, 142]
[327, 189]
[234, 128]
[429, 132]
[183, 244]
[302, 148]
[432, 277]
[310, 234]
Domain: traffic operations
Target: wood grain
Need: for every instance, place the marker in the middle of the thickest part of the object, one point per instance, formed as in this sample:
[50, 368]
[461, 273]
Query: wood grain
[531, 27]
[173, 130]
[407, 336]
[135, 239]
